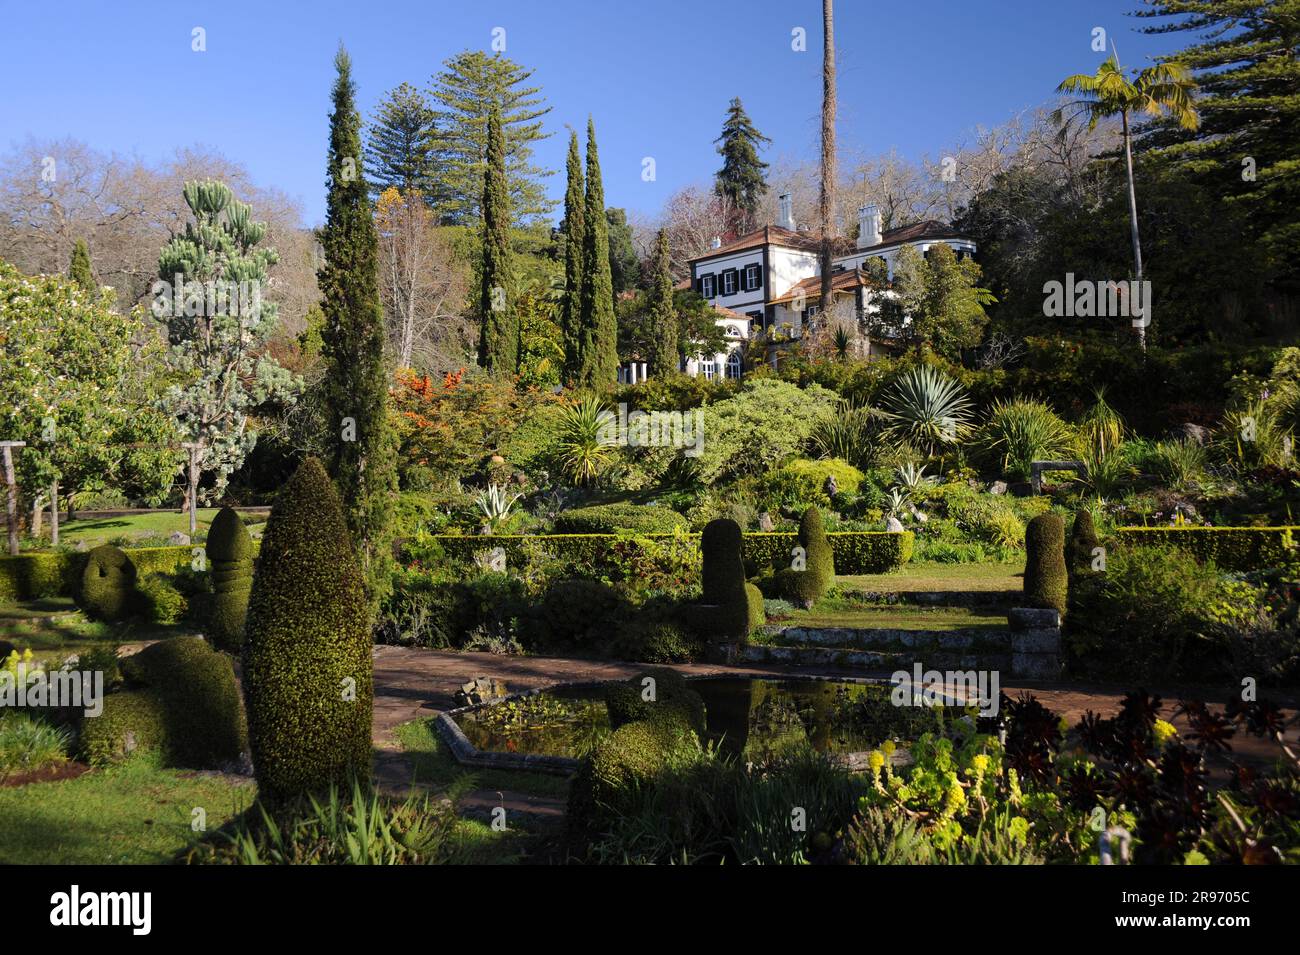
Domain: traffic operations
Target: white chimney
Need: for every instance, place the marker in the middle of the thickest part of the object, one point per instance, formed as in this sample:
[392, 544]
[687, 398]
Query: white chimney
[716, 243]
[868, 226]
[786, 218]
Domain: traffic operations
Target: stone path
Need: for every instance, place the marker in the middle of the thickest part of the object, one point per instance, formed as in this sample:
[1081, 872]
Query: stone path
[412, 683]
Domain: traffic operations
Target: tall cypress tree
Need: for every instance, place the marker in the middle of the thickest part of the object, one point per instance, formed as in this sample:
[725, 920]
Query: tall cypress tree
[360, 451]
[572, 228]
[498, 343]
[741, 180]
[79, 268]
[663, 316]
[598, 364]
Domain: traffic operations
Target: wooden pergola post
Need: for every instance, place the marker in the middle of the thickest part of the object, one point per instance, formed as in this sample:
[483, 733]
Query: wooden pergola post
[11, 509]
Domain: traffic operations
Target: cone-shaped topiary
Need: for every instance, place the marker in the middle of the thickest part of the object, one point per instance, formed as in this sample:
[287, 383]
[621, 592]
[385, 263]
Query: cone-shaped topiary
[1083, 539]
[230, 559]
[108, 583]
[308, 675]
[805, 587]
[724, 611]
[1046, 583]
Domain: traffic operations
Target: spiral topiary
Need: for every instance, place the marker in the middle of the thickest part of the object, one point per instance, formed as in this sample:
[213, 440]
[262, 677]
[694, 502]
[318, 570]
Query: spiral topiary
[230, 562]
[108, 583]
[1046, 580]
[308, 673]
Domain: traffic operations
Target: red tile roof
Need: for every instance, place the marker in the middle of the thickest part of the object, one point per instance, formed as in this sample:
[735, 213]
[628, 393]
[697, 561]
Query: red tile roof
[811, 241]
[811, 287]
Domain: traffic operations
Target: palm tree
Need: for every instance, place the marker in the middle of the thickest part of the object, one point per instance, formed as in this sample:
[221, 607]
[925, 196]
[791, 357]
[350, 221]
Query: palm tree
[1155, 91]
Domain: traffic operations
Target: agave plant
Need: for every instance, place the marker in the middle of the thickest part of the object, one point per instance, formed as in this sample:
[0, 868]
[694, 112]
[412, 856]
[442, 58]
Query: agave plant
[897, 503]
[913, 478]
[928, 408]
[496, 505]
[1022, 431]
[580, 453]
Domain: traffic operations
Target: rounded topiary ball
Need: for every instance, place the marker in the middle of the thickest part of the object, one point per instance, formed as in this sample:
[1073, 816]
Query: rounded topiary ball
[308, 672]
[108, 583]
[1046, 581]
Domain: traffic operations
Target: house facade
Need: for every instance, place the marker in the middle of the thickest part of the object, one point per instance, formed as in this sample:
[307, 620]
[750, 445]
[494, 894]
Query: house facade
[769, 280]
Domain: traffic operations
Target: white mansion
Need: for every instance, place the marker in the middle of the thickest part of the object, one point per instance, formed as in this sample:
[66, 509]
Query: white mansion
[769, 280]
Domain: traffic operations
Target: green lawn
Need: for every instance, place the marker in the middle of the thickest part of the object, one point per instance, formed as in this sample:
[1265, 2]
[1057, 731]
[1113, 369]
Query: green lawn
[101, 530]
[134, 813]
[436, 767]
[53, 628]
[914, 577]
[833, 613]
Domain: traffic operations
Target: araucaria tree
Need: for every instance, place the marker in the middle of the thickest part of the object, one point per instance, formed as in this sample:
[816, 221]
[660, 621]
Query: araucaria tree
[741, 180]
[210, 294]
[359, 448]
[498, 344]
[400, 146]
[572, 228]
[598, 363]
[663, 316]
[471, 85]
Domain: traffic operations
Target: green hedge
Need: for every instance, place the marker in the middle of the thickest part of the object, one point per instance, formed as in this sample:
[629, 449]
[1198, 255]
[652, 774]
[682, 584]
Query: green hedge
[58, 573]
[616, 518]
[856, 552]
[1231, 548]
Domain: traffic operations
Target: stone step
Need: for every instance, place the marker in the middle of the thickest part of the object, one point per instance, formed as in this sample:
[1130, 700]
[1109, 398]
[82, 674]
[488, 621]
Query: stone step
[889, 639]
[853, 659]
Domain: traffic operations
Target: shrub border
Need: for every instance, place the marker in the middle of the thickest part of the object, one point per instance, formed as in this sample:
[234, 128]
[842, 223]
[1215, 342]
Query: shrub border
[1231, 548]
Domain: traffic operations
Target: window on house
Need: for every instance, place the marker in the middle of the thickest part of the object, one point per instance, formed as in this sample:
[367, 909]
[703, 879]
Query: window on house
[753, 277]
[709, 369]
[729, 282]
[733, 365]
[706, 286]
[813, 310]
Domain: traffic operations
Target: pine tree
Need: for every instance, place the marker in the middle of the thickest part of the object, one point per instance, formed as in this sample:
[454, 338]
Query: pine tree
[400, 146]
[663, 360]
[471, 85]
[572, 229]
[360, 451]
[79, 268]
[599, 348]
[498, 344]
[624, 266]
[741, 181]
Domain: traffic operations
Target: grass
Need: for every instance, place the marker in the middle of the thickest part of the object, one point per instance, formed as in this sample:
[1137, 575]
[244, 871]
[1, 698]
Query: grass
[100, 530]
[436, 767]
[136, 813]
[840, 613]
[913, 577]
[53, 628]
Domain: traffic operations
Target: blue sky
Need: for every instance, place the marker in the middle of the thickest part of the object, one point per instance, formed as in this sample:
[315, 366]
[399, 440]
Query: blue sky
[656, 74]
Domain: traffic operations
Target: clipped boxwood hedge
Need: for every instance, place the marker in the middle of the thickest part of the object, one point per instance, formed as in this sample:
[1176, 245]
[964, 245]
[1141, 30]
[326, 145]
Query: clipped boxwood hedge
[58, 573]
[620, 518]
[1231, 548]
[856, 552]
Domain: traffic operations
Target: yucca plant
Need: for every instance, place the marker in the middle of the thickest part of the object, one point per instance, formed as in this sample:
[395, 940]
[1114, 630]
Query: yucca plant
[581, 455]
[928, 408]
[496, 505]
[1100, 430]
[1022, 431]
[853, 435]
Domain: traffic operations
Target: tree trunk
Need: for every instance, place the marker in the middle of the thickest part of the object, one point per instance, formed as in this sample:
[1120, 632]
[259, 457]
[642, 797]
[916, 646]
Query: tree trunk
[826, 205]
[11, 503]
[37, 506]
[1133, 219]
[54, 512]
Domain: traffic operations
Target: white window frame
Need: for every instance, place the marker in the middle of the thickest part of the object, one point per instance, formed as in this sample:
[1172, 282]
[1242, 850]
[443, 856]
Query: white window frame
[729, 278]
[733, 362]
[709, 369]
[752, 278]
[706, 285]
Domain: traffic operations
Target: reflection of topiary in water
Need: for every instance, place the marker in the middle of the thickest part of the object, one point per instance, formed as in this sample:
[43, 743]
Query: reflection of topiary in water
[1046, 581]
[673, 700]
[108, 583]
[230, 557]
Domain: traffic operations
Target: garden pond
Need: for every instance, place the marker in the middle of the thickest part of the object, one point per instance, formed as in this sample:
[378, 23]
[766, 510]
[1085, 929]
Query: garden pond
[751, 718]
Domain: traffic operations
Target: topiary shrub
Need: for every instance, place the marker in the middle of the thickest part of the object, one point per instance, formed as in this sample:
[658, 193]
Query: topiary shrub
[805, 587]
[673, 700]
[723, 612]
[230, 558]
[131, 723]
[575, 612]
[1046, 580]
[1083, 539]
[659, 641]
[308, 674]
[159, 600]
[108, 583]
[754, 604]
[203, 715]
[620, 519]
